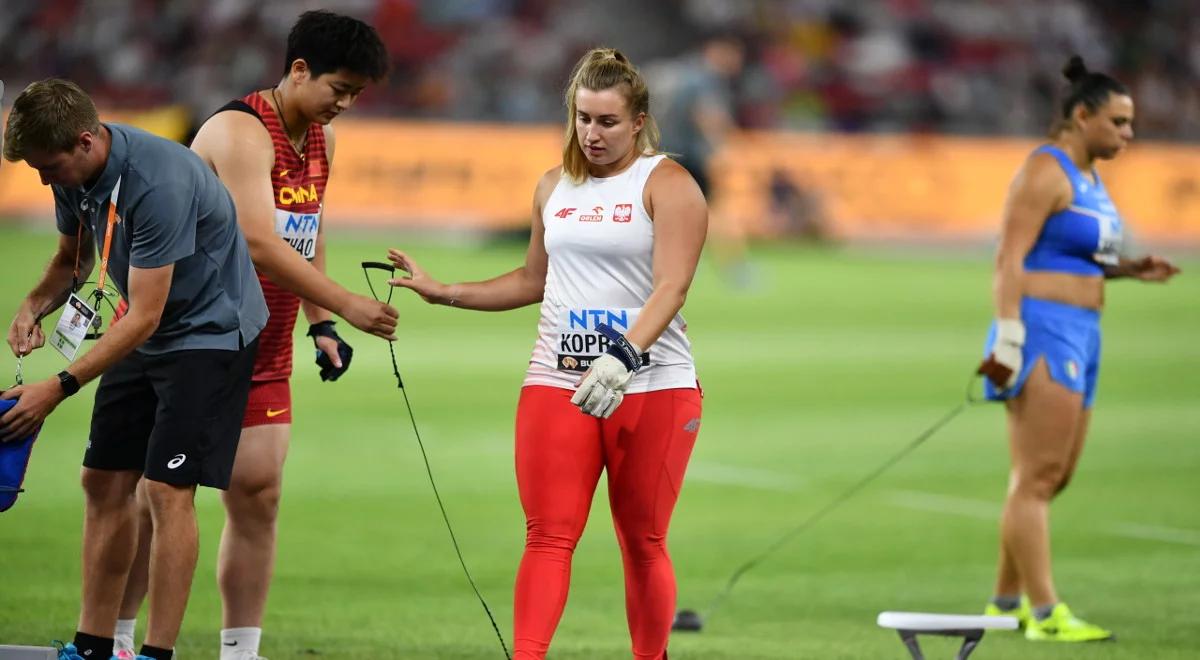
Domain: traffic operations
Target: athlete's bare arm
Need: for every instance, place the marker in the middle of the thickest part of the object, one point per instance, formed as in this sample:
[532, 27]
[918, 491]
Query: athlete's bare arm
[1150, 268]
[680, 216]
[1039, 190]
[312, 311]
[240, 151]
[516, 288]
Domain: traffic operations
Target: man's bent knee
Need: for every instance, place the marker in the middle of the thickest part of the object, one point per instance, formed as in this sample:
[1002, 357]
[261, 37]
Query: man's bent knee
[168, 497]
[108, 487]
[256, 502]
[257, 482]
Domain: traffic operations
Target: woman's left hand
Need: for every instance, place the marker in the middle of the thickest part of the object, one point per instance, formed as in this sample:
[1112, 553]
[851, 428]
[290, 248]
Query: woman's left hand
[430, 290]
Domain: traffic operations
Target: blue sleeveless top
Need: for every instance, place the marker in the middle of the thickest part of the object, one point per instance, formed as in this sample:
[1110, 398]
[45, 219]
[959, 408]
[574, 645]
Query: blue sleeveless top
[1082, 238]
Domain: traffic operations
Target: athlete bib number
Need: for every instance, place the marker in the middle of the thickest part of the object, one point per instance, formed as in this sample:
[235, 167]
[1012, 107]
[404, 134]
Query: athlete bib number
[299, 230]
[1108, 247]
[578, 341]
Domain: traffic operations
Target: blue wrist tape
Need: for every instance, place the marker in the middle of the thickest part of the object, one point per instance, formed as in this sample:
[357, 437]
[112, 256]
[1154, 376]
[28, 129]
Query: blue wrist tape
[620, 348]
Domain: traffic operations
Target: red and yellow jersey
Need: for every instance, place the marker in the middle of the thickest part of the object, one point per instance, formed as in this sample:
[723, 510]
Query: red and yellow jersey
[298, 184]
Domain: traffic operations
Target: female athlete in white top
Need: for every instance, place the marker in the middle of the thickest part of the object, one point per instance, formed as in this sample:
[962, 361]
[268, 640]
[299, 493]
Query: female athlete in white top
[616, 234]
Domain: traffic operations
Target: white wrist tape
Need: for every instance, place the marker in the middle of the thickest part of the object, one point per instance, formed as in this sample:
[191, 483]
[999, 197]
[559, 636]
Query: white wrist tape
[1008, 349]
[1010, 331]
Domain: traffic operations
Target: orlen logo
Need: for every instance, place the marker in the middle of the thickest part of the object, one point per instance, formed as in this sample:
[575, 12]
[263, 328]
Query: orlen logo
[562, 213]
[596, 215]
[623, 213]
[588, 319]
[289, 195]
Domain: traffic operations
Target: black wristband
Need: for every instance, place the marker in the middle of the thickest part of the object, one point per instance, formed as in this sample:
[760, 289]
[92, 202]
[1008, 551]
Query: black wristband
[620, 348]
[323, 329]
[328, 371]
[68, 383]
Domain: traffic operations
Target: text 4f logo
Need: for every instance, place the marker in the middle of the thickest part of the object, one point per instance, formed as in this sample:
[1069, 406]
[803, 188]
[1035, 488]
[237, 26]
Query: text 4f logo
[596, 215]
[562, 213]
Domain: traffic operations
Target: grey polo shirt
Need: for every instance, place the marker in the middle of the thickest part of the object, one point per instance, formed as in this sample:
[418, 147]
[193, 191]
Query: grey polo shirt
[172, 210]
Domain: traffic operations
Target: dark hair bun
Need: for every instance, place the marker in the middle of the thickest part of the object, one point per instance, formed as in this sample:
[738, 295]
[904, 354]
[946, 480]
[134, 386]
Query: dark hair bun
[1075, 70]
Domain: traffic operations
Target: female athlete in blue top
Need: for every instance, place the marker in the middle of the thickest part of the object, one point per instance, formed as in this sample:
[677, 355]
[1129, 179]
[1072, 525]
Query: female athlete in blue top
[1060, 240]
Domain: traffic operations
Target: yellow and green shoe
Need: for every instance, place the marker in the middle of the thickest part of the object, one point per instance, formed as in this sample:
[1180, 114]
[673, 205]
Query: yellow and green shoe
[1062, 626]
[1022, 612]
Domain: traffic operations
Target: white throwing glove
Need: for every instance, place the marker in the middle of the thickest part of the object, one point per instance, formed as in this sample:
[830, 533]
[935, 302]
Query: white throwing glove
[602, 388]
[1003, 366]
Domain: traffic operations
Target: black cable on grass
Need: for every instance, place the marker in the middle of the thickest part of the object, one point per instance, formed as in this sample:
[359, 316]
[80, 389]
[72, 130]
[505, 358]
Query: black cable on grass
[692, 621]
[377, 265]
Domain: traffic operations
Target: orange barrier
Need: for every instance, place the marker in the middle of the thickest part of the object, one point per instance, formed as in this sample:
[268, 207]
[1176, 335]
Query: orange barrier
[390, 173]
[910, 186]
[440, 175]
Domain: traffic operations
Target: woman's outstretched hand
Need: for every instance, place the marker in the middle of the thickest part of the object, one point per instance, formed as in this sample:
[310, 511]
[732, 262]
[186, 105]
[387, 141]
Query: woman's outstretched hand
[430, 290]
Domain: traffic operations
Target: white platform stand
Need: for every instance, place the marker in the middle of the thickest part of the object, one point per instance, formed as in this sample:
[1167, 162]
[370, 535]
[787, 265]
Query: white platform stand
[970, 628]
[27, 653]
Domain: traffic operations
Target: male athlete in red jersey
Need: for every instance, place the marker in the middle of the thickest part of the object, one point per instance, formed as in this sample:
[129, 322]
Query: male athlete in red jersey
[273, 150]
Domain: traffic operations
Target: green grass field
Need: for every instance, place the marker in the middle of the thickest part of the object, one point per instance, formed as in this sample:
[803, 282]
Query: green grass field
[838, 360]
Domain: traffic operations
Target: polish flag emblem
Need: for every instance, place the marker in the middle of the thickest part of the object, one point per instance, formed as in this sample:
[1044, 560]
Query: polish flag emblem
[623, 213]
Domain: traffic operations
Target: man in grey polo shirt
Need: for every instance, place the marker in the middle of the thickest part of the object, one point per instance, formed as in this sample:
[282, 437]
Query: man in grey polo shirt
[176, 368]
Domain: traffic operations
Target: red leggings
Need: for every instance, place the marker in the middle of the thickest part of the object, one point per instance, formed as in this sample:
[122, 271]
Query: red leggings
[644, 447]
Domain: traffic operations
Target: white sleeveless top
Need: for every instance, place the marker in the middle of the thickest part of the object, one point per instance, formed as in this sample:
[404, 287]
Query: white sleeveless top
[600, 243]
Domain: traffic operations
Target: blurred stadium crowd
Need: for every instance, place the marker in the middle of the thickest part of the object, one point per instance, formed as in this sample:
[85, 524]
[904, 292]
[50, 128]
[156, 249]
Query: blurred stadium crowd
[946, 66]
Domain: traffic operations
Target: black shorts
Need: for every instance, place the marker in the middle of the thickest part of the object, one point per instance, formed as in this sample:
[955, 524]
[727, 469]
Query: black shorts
[175, 417]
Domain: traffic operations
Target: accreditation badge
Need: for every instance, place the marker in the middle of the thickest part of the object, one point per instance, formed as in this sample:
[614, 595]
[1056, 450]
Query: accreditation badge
[72, 326]
[579, 343]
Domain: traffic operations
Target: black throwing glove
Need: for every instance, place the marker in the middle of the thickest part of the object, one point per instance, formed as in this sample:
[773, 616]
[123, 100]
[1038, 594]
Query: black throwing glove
[328, 371]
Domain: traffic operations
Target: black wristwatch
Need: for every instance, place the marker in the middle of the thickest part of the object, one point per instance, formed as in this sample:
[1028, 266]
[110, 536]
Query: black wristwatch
[68, 383]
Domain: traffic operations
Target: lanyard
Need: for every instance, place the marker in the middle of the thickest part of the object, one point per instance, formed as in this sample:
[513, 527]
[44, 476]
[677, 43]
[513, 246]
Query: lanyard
[108, 235]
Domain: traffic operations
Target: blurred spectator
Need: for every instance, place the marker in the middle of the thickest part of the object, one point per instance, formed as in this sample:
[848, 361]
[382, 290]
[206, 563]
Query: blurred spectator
[952, 66]
[696, 113]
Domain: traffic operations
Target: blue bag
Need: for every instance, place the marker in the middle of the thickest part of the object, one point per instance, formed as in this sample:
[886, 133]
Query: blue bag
[14, 458]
